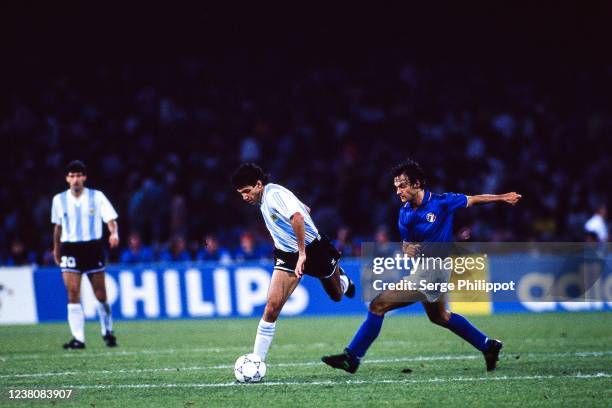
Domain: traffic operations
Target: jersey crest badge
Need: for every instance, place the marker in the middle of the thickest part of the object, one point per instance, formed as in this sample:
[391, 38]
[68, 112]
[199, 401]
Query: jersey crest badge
[430, 217]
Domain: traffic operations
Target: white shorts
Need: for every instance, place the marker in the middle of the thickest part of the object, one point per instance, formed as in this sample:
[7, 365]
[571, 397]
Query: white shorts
[432, 275]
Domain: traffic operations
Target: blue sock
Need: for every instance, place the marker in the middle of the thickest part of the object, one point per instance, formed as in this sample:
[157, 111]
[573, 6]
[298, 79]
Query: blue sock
[464, 329]
[365, 336]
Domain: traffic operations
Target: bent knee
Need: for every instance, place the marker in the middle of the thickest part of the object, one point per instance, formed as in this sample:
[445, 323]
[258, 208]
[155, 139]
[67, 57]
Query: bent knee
[378, 308]
[440, 320]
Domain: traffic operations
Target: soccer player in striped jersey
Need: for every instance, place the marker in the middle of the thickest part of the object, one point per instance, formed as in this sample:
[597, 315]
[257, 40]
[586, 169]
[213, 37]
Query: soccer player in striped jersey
[424, 218]
[77, 214]
[299, 249]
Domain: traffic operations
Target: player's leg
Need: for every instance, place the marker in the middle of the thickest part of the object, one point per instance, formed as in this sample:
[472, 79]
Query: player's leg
[370, 328]
[76, 318]
[98, 285]
[440, 315]
[323, 262]
[348, 287]
[338, 284]
[282, 285]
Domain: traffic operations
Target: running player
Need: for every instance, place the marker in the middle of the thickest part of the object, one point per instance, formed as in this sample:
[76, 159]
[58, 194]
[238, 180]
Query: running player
[299, 249]
[77, 214]
[424, 217]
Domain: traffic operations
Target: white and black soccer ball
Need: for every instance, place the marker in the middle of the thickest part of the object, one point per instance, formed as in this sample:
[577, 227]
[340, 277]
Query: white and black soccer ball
[249, 368]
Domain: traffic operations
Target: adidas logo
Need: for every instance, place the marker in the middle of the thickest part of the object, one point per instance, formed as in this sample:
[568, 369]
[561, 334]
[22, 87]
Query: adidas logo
[280, 262]
[333, 261]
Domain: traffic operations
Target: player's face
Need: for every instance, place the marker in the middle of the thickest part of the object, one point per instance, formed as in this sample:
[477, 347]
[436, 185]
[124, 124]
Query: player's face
[252, 194]
[405, 190]
[76, 181]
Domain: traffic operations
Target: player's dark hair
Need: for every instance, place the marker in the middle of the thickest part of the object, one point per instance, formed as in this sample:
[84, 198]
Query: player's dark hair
[247, 175]
[410, 169]
[76, 166]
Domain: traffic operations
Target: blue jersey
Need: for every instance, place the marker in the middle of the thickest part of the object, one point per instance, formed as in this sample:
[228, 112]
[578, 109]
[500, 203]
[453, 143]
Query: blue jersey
[432, 221]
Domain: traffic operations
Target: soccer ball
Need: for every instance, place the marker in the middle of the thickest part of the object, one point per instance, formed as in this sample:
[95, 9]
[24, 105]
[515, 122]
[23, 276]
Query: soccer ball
[249, 368]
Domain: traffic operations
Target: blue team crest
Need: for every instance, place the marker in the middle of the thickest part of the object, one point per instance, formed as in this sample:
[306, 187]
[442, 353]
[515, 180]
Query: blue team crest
[430, 217]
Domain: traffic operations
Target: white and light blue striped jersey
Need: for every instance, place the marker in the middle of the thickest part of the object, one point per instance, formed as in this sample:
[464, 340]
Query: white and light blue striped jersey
[81, 218]
[277, 206]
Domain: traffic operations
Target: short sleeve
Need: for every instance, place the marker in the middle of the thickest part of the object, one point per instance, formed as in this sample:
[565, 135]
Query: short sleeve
[285, 203]
[454, 201]
[107, 211]
[56, 211]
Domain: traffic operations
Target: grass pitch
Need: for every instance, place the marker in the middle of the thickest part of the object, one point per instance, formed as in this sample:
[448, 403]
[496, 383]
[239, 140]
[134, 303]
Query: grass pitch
[548, 360]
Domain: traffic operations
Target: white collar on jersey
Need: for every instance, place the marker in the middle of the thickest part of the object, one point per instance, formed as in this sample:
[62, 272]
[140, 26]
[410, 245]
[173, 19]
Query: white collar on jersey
[78, 199]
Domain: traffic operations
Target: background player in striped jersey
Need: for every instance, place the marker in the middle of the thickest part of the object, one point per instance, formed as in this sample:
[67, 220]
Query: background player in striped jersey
[424, 218]
[299, 249]
[78, 249]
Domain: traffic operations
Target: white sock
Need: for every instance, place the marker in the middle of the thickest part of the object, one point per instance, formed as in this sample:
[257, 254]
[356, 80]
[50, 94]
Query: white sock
[76, 320]
[106, 319]
[344, 283]
[263, 339]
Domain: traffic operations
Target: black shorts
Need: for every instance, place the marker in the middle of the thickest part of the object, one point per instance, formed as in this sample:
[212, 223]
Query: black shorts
[321, 259]
[82, 257]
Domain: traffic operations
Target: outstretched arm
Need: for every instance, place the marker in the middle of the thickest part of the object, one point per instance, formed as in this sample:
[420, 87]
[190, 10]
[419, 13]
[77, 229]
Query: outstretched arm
[510, 198]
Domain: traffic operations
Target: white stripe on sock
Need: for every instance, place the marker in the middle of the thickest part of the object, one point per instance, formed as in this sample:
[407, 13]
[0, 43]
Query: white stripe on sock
[344, 283]
[263, 339]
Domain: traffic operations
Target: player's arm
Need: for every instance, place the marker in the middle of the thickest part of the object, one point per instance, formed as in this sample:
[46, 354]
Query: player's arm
[409, 247]
[57, 234]
[113, 228]
[109, 216]
[298, 225]
[510, 198]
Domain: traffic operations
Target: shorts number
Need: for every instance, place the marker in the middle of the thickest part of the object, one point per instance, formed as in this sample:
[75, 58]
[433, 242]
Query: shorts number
[68, 262]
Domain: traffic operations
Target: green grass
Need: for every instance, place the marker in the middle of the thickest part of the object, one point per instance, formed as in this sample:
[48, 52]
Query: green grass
[185, 363]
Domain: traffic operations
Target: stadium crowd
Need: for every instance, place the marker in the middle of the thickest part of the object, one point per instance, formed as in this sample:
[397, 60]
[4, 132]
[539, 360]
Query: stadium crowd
[162, 142]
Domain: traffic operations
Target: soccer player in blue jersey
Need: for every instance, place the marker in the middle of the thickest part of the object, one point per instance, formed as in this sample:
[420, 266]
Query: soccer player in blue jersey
[424, 218]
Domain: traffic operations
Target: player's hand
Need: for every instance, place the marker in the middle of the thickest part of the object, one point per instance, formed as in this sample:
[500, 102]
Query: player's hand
[299, 266]
[113, 240]
[511, 198]
[410, 248]
[464, 234]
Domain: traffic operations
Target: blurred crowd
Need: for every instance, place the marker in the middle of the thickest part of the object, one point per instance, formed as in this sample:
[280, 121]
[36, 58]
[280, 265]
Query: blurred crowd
[162, 140]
